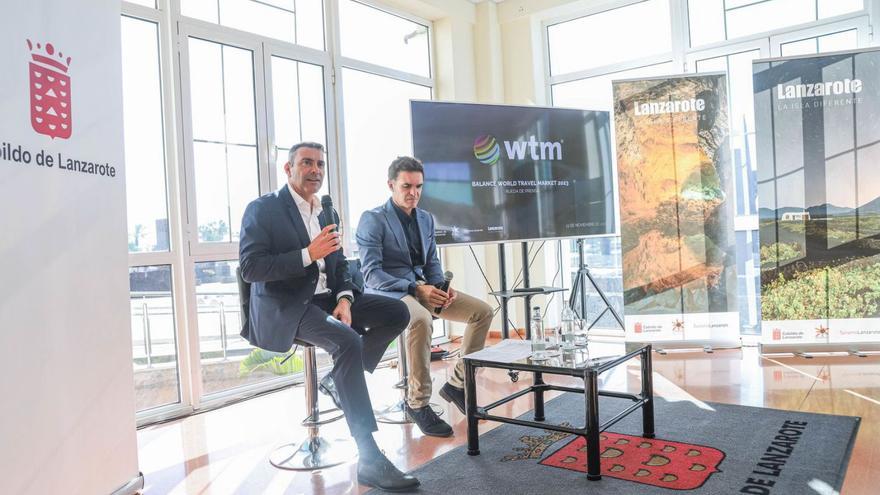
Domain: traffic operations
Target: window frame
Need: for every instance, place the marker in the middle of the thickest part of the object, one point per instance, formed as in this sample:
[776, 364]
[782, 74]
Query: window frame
[860, 23]
[340, 62]
[173, 257]
[174, 31]
[685, 56]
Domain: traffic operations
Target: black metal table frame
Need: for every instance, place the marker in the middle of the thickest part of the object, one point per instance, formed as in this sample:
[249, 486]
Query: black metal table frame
[591, 392]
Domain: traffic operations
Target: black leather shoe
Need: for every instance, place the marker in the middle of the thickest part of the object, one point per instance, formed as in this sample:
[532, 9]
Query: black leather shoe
[454, 395]
[378, 472]
[328, 387]
[428, 421]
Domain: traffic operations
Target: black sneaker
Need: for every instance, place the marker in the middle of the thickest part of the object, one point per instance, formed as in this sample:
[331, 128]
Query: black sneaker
[328, 387]
[428, 421]
[454, 395]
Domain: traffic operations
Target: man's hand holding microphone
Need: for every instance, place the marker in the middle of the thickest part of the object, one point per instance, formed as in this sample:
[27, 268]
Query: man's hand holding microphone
[325, 243]
[438, 298]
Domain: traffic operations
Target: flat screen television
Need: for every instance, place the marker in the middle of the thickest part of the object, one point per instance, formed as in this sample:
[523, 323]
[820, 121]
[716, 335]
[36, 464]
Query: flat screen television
[498, 173]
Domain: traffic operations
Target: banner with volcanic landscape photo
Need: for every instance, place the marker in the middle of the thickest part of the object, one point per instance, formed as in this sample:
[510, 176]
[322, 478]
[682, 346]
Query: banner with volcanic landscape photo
[818, 143]
[676, 209]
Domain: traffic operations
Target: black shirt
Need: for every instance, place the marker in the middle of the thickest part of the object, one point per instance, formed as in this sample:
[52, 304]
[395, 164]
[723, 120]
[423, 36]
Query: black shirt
[411, 231]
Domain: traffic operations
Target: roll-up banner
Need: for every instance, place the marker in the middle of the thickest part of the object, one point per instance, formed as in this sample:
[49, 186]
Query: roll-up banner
[67, 413]
[818, 143]
[676, 210]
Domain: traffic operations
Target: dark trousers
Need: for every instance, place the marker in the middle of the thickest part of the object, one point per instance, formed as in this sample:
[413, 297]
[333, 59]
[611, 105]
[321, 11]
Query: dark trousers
[375, 322]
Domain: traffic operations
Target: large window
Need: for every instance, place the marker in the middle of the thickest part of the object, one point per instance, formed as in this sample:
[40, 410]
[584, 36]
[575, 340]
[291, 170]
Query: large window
[725, 36]
[145, 177]
[297, 111]
[377, 37]
[248, 102]
[294, 21]
[224, 137]
[633, 32]
[154, 329]
[376, 109]
[153, 335]
[386, 63]
[215, 94]
[713, 21]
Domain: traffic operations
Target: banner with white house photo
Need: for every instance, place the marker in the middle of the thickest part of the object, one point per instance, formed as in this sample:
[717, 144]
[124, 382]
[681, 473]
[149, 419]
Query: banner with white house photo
[818, 142]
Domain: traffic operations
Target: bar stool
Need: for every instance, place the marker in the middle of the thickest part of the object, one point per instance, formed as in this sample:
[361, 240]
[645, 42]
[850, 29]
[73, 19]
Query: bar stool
[316, 451]
[396, 413]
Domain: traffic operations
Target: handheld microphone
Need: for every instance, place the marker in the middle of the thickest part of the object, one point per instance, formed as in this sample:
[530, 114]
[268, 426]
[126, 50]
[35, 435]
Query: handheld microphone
[329, 214]
[444, 286]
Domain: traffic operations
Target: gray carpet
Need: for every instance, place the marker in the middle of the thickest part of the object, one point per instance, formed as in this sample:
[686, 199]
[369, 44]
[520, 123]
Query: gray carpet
[726, 450]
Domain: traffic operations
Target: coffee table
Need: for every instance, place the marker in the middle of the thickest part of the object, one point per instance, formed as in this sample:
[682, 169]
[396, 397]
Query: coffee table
[515, 355]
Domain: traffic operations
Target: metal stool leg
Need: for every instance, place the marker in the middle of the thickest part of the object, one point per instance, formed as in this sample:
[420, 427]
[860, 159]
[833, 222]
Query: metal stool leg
[396, 413]
[316, 451]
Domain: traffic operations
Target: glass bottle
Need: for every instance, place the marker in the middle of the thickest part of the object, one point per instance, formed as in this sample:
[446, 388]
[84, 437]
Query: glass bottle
[567, 327]
[539, 343]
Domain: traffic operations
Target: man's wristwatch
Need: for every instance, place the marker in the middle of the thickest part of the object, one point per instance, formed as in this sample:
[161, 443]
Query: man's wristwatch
[347, 298]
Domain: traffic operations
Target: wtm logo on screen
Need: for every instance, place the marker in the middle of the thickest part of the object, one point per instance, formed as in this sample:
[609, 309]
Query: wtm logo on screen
[488, 151]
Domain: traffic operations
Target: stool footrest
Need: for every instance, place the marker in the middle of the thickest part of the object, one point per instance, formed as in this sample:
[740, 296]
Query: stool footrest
[311, 421]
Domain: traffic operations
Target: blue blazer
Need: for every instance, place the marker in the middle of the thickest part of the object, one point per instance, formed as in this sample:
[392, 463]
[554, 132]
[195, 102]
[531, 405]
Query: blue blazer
[273, 236]
[384, 254]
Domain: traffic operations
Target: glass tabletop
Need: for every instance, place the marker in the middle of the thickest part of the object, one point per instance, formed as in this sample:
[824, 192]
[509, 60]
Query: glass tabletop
[519, 352]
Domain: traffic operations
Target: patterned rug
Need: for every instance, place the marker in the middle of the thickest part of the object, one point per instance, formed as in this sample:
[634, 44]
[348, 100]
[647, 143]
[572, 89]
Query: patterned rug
[700, 448]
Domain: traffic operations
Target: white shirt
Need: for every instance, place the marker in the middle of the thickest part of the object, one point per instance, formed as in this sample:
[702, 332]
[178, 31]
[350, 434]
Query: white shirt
[309, 214]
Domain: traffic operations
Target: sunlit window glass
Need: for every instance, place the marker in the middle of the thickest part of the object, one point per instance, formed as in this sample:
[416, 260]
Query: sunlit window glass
[145, 180]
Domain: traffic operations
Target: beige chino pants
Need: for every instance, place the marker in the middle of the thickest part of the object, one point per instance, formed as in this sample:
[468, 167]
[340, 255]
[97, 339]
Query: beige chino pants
[465, 309]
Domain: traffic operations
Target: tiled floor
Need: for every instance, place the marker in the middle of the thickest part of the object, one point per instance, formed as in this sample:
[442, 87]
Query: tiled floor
[226, 450]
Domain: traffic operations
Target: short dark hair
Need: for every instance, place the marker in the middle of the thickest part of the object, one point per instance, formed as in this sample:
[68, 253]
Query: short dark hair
[404, 164]
[304, 144]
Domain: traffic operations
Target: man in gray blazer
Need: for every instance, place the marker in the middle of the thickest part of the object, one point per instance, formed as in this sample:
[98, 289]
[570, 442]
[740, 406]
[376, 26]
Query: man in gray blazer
[399, 259]
[301, 289]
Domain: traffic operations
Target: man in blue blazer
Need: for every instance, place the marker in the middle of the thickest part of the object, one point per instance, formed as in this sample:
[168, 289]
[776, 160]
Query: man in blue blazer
[301, 289]
[399, 259]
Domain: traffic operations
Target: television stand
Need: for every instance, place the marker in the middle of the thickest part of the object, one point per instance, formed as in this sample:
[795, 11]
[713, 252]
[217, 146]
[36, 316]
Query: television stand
[578, 291]
[527, 292]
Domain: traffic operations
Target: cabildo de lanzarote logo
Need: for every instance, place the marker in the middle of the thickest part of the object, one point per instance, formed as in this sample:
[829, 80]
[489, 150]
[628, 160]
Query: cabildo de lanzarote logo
[50, 111]
[486, 149]
[50, 91]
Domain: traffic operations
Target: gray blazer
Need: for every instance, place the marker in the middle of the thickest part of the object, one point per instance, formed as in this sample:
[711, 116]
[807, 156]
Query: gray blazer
[384, 254]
